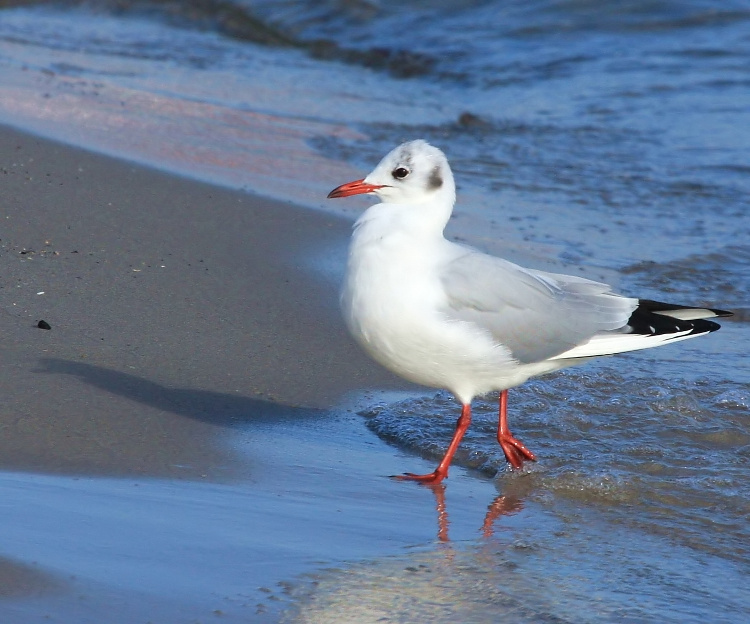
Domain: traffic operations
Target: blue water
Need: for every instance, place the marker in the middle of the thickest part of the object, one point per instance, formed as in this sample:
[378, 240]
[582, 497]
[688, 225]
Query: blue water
[609, 138]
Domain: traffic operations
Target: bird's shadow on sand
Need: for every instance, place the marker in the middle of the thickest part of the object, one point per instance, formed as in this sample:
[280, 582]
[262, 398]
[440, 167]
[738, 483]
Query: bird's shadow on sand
[228, 410]
[215, 408]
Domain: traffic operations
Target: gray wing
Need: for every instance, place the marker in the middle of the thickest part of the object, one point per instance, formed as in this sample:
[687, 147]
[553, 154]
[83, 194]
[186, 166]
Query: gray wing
[536, 315]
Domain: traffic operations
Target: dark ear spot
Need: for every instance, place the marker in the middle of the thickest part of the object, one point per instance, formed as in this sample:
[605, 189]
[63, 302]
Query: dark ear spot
[436, 180]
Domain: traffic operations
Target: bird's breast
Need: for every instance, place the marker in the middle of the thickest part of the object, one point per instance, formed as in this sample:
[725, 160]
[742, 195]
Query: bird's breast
[394, 305]
[387, 289]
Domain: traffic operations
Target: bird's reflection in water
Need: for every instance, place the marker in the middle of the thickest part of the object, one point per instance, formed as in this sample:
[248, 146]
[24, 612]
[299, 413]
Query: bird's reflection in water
[501, 505]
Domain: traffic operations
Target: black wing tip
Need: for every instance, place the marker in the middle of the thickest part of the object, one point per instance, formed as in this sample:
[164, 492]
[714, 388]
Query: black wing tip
[702, 326]
[649, 319]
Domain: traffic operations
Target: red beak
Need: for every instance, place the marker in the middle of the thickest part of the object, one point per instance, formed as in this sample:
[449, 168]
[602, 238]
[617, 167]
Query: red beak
[358, 187]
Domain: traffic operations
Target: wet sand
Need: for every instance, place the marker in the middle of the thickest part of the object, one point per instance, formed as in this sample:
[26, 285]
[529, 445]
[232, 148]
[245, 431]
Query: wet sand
[183, 442]
[176, 309]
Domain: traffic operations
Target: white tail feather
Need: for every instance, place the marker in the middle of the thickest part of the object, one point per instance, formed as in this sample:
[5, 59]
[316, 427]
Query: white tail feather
[609, 344]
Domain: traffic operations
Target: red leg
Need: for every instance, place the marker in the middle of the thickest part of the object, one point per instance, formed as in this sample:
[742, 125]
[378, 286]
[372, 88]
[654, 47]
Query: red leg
[441, 472]
[515, 451]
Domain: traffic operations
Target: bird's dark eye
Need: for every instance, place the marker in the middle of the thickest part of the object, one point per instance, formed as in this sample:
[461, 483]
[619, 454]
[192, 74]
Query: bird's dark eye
[400, 173]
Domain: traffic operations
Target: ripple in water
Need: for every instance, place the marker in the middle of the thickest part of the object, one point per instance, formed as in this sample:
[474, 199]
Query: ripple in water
[672, 458]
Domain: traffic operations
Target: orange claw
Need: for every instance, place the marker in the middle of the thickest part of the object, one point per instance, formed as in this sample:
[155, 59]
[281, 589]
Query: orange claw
[515, 451]
[428, 479]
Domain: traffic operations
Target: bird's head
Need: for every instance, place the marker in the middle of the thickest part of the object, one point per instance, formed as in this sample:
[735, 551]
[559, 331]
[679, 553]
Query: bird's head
[413, 173]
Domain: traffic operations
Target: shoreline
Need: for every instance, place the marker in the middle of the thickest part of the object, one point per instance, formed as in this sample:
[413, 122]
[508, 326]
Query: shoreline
[196, 386]
[171, 302]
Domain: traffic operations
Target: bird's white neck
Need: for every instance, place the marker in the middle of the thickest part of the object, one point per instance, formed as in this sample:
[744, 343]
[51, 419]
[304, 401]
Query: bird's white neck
[423, 221]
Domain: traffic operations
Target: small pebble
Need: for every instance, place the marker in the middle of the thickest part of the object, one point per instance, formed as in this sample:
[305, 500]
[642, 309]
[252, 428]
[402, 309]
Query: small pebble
[43, 325]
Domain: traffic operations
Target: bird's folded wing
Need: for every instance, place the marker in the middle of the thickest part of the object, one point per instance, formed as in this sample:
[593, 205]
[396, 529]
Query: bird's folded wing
[536, 315]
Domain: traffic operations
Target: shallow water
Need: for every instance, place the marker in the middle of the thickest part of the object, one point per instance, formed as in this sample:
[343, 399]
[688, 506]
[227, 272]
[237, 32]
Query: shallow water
[614, 141]
[660, 457]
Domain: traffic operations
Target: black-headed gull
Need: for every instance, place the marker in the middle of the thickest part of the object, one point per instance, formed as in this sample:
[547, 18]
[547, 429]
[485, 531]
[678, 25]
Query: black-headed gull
[448, 316]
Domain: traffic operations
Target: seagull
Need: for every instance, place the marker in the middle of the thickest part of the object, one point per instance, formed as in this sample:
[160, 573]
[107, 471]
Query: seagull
[448, 316]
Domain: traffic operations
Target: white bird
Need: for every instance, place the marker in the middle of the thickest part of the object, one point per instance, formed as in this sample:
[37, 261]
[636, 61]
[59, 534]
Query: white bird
[448, 316]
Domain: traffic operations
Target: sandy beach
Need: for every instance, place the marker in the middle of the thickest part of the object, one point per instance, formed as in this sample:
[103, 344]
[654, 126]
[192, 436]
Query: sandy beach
[176, 309]
[190, 407]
